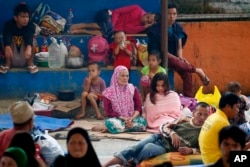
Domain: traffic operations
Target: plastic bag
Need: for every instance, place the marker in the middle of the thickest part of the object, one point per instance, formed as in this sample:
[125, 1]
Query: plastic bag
[50, 148]
[211, 98]
[189, 102]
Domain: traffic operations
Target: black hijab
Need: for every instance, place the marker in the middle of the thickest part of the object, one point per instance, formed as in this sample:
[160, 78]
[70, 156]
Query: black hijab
[90, 159]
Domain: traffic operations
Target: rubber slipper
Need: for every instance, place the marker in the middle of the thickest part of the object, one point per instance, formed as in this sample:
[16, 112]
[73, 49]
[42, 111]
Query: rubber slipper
[33, 69]
[4, 69]
[60, 136]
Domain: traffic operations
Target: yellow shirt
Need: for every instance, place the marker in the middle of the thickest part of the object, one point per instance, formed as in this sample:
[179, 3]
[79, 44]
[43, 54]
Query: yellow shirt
[209, 137]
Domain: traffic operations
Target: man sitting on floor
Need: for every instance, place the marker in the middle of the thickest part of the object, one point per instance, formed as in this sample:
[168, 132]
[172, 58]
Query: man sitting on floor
[173, 137]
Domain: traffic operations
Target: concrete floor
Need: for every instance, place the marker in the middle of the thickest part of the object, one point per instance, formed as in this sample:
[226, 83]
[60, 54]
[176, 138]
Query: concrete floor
[105, 148]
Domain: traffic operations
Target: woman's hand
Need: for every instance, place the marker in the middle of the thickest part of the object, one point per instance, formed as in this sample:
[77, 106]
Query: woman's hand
[129, 122]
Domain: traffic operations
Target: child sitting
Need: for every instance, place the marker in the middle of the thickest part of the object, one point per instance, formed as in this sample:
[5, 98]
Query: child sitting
[121, 50]
[149, 71]
[92, 90]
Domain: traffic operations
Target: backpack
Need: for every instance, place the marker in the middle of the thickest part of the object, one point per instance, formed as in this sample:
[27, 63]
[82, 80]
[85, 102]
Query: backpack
[40, 11]
[98, 49]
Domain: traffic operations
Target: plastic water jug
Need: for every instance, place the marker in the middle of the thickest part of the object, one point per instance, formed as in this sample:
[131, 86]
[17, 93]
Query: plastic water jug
[64, 52]
[54, 54]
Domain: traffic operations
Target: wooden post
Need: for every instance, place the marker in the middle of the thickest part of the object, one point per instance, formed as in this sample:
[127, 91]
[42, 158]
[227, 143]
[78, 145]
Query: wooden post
[164, 32]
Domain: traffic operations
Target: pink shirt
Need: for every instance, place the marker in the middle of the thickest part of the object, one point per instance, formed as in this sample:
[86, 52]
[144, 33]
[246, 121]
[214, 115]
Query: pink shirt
[128, 19]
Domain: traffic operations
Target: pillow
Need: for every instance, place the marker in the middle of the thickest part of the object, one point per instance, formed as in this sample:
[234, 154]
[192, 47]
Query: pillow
[175, 158]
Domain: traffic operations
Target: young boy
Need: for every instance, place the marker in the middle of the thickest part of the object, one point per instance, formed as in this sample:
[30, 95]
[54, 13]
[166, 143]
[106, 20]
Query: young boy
[121, 50]
[231, 138]
[92, 90]
[17, 40]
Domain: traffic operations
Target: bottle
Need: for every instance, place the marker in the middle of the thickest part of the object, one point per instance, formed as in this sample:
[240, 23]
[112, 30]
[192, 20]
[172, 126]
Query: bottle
[69, 21]
[44, 47]
[64, 52]
[54, 54]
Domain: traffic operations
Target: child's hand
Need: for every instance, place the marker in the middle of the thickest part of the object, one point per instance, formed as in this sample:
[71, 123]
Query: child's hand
[88, 79]
[123, 44]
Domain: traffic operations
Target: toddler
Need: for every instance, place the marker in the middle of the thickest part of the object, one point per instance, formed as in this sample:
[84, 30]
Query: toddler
[92, 90]
[121, 50]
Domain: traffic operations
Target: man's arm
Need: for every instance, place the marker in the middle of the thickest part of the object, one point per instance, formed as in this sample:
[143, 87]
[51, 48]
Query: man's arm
[29, 34]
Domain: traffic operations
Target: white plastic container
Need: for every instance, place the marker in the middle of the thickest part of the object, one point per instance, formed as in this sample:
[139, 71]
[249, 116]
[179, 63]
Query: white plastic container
[64, 52]
[54, 60]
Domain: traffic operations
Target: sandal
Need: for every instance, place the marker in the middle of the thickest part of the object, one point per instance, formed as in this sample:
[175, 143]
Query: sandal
[205, 81]
[4, 69]
[33, 69]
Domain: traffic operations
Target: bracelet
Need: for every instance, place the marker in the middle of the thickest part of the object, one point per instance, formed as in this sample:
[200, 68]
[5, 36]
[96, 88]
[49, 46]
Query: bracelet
[194, 150]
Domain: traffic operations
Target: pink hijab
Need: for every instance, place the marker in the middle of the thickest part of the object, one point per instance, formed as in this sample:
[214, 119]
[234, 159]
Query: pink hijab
[121, 97]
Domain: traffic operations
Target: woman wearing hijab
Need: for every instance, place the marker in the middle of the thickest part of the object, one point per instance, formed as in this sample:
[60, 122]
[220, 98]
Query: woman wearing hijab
[80, 151]
[122, 104]
[34, 158]
[14, 157]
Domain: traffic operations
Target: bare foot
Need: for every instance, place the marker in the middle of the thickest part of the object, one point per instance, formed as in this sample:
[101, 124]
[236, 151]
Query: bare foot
[99, 117]
[81, 115]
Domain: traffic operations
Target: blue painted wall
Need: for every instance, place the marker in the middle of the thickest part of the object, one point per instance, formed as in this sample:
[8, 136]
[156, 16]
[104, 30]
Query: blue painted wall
[17, 82]
[84, 10]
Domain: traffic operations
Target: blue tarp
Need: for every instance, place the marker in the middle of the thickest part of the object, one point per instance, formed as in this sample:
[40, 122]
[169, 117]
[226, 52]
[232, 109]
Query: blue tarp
[45, 123]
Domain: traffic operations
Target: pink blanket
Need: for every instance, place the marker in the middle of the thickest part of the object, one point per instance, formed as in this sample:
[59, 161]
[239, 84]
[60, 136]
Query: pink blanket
[166, 109]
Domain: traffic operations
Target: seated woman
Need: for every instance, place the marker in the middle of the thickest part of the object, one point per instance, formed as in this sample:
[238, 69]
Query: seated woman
[15, 157]
[80, 151]
[30, 148]
[122, 105]
[161, 104]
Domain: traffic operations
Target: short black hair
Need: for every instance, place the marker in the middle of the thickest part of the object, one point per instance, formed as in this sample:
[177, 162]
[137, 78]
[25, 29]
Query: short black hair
[202, 104]
[172, 5]
[157, 17]
[228, 98]
[234, 86]
[94, 63]
[21, 8]
[233, 132]
[156, 53]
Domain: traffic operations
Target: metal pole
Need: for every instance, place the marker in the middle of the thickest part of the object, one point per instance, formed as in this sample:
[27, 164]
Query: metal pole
[164, 32]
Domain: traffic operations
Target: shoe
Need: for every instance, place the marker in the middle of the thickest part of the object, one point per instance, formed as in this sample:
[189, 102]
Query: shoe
[33, 69]
[205, 81]
[4, 69]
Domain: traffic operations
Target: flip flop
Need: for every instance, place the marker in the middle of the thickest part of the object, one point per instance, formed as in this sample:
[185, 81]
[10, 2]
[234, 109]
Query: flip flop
[205, 81]
[4, 69]
[33, 69]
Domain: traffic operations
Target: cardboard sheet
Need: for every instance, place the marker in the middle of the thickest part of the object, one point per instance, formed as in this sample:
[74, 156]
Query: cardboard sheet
[128, 136]
[66, 106]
